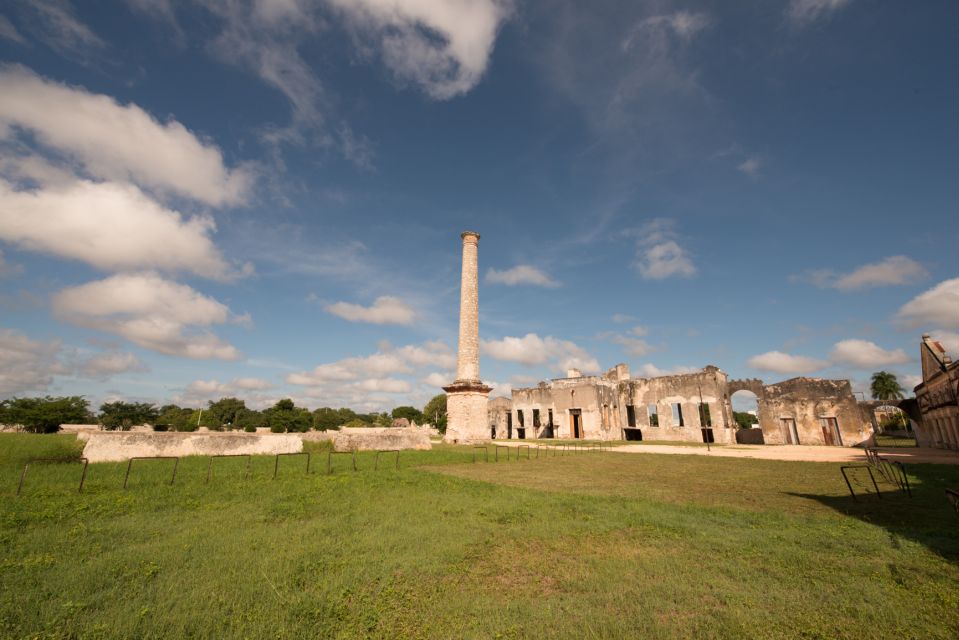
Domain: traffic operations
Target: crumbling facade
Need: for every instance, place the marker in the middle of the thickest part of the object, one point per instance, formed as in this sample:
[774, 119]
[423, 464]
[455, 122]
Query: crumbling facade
[938, 397]
[689, 407]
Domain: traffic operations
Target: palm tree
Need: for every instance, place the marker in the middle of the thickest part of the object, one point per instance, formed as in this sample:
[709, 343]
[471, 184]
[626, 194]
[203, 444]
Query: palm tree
[885, 386]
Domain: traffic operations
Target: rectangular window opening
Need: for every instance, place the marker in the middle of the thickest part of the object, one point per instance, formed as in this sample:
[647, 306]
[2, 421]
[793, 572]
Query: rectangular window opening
[705, 419]
[630, 416]
[536, 417]
[653, 412]
[678, 415]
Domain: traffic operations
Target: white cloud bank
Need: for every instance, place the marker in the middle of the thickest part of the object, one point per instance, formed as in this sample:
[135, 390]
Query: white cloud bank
[937, 307]
[658, 252]
[864, 354]
[894, 270]
[443, 46]
[118, 142]
[779, 362]
[111, 226]
[519, 275]
[152, 312]
[805, 12]
[534, 350]
[25, 364]
[384, 310]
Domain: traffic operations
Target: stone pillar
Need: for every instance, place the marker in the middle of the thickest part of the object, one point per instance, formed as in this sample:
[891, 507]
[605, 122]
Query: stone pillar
[466, 397]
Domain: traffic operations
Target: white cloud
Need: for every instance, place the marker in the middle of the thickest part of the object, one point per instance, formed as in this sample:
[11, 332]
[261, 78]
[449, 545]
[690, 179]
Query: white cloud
[436, 379]
[9, 32]
[384, 385]
[622, 318]
[152, 312]
[199, 392]
[659, 255]
[894, 270]
[937, 307]
[910, 382]
[521, 274]
[533, 350]
[57, 25]
[25, 364]
[864, 354]
[111, 226]
[385, 310]
[639, 331]
[779, 362]
[804, 12]
[441, 45]
[110, 140]
[636, 347]
[104, 365]
[431, 353]
[751, 166]
[949, 340]
[655, 30]
[649, 370]
[504, 389]
[386, 362]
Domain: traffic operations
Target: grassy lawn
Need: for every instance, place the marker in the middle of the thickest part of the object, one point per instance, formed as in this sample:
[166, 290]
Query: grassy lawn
[590, 545]
[884, 440]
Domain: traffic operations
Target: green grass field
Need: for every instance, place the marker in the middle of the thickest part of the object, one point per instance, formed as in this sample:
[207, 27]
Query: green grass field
[592, 545]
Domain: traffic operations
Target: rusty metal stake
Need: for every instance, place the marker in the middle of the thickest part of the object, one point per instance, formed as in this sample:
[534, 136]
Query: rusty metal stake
[376, 460]
[249, 462]
[83, 476]
[130, 464]
[276, 464]
[329, 459]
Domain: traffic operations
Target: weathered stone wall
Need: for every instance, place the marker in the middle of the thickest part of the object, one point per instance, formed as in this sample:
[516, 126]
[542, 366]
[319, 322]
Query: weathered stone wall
[381, 439]
[806, 400]
[498, 415]
[112, 446]
[687, 390]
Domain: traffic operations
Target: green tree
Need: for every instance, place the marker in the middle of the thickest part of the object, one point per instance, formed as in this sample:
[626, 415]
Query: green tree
[885, 386]
[435, 412]
[285, 416]
[326, 419]
[174, 418]
[410, 413]
[123, 415]
[45, 415]
[249, 420]
[223, 412]
[744, 419]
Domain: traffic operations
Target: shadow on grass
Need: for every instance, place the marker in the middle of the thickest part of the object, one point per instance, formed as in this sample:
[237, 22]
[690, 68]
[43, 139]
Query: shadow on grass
[927, 518]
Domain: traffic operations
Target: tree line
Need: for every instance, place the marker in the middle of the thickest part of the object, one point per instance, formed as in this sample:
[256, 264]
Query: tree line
[46, 414]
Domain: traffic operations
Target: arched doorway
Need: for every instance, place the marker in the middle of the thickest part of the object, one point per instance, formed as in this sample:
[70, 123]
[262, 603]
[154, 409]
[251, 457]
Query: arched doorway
[745, 409]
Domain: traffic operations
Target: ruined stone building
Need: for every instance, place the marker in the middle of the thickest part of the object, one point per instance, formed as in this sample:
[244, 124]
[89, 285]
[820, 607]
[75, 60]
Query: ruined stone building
[937, 397]
[689, 407]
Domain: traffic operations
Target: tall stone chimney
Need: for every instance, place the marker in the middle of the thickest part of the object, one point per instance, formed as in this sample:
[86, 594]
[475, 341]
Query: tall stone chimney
[466, 397]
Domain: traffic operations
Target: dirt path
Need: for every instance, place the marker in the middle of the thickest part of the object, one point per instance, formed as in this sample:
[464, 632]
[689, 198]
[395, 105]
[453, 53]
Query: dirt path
[785, 452]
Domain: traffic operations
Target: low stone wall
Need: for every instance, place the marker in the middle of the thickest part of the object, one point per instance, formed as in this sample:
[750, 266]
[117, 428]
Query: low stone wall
[381, 438]
[117, 446]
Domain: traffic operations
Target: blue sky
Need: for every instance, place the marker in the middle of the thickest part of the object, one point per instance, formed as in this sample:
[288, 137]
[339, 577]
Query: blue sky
[263, 198]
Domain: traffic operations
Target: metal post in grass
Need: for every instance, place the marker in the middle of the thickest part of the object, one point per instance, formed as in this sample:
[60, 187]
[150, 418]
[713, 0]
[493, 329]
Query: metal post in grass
[249, 462]
[485, 451]
[376, 460]
[329, 459]
[276, 464]
[83, 475]
[519, 448]
[497, 447]
[176, 464]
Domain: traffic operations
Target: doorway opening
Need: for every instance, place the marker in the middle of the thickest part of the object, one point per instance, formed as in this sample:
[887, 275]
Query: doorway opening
[830, 432]
[576, 423]
[788, 427]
